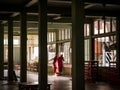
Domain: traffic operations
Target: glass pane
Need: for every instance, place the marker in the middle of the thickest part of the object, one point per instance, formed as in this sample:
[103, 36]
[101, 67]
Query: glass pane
[113, 25]
[107, 26]
[88, 29]
[54, 37]
[66, 52]
[96, 27]
[51, 51]
[49, 39]
[66, 34]
[5, 41]
[85, 29]
[63, 34]
[69, 33]
[86, 49]
[97, 49]
[101, 27]
[60, 34]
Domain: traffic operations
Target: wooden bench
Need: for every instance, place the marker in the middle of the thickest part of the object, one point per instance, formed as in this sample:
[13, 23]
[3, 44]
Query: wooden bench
[31, 86]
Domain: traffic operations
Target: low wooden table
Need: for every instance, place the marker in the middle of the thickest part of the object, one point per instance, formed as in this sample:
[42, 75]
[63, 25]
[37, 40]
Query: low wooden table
[31, 86]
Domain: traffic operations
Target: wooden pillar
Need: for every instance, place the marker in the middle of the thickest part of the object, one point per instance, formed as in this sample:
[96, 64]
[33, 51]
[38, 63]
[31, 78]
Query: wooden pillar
[42, 34]
[23, 48]
[1, 51]
[118, 42]
[70, 50]
[10, 50]
[91, 40]
[78, 45]
[57, 44]
[118, 38]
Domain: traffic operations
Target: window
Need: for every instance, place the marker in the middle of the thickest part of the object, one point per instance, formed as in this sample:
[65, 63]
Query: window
[105, 50]
[113, 25]
[86, 49]
[64, 34]
[104, 26]
[101, 25]
[107, 26]
[86, 29]
[96, 27]
[51, 51]
[51, 37]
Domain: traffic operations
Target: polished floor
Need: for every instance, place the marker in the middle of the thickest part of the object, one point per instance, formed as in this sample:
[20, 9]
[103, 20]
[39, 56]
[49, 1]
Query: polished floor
[59, 83]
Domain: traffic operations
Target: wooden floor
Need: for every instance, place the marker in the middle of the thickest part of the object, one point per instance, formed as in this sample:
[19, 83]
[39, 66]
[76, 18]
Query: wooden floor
[59, 83]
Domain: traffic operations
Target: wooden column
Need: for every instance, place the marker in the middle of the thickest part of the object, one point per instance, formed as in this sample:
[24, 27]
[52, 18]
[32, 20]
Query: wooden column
[10, 50]
[118, 38]
[57, 44]
[91, 40]
[78, 45]
[1, 51]
[118, 41]
[23, 48]
[42, 34]
[70, 50]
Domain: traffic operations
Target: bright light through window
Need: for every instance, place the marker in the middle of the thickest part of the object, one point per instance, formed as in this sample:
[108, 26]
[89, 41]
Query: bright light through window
[36, 52]
[15, 41]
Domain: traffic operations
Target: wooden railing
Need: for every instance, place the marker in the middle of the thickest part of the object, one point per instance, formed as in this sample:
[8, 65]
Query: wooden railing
[91, 70]
[113, 71]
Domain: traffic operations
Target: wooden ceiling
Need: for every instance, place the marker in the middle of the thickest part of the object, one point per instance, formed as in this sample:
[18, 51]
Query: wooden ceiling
[58, 10]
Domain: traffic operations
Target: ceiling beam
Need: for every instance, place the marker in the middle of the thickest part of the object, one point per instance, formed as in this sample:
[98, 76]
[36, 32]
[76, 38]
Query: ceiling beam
[32, 2]
[18, 8]
[117, 2]
[62, 11]
[66, 18]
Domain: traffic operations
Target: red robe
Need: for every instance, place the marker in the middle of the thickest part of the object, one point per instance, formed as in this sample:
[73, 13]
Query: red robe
[60, 63]
[55, 64]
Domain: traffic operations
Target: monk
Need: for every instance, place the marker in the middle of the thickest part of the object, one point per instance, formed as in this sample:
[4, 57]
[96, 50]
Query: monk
[60, 63]
[55, 64]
